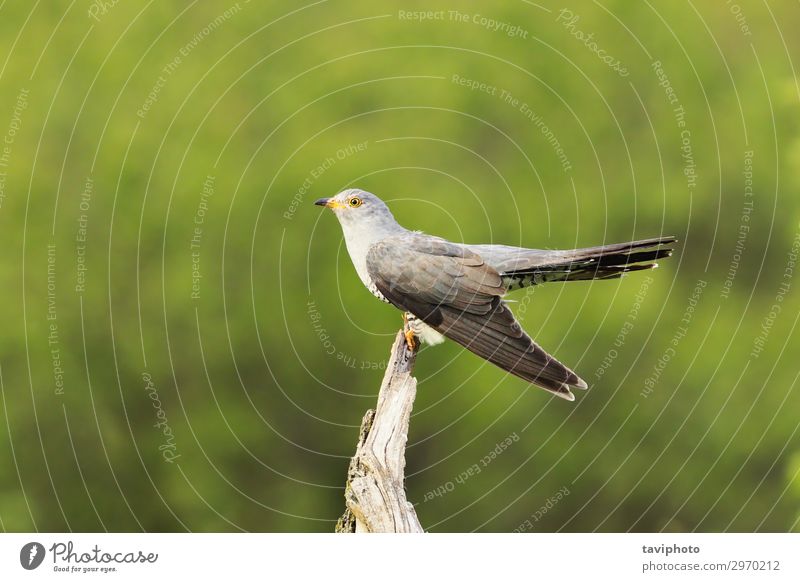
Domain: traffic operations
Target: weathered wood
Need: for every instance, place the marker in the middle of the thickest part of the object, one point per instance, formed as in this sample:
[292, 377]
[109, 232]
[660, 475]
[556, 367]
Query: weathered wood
[374, 493]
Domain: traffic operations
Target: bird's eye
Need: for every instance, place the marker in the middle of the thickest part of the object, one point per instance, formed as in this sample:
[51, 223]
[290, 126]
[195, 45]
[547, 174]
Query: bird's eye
[355, 202]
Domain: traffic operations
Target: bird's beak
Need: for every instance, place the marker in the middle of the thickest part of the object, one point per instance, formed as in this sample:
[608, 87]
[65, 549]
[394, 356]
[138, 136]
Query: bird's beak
[328, 203]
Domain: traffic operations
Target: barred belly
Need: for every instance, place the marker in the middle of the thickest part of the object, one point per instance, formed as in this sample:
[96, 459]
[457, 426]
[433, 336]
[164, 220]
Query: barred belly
[423, 331]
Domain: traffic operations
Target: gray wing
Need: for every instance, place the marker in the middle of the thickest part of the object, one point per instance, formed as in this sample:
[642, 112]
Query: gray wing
[454, 291]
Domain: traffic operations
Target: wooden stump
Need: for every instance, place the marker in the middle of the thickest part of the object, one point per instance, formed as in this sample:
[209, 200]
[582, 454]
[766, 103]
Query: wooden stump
[374, 493]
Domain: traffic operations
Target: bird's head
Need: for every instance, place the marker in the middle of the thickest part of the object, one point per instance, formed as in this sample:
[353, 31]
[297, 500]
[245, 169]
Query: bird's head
[356, 207]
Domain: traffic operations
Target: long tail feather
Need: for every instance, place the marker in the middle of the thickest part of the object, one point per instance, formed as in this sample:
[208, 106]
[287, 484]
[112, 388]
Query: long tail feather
[603, 262]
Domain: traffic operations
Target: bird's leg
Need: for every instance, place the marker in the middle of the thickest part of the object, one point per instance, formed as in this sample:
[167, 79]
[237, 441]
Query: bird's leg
[411, 339]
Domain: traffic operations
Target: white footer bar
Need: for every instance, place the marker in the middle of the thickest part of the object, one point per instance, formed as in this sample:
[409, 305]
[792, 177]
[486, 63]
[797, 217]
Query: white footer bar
[460, 557]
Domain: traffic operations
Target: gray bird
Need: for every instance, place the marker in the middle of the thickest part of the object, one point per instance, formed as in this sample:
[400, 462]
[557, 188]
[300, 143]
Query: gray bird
[456, 290]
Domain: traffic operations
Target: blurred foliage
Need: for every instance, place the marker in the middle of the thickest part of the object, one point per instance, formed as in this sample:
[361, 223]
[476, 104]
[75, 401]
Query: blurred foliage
[264, 378]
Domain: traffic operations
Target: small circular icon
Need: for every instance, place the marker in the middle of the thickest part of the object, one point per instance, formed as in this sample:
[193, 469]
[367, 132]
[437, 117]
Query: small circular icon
[31, 555]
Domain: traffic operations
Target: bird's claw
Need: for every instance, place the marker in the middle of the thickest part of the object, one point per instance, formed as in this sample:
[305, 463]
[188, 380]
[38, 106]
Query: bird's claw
[411, 340]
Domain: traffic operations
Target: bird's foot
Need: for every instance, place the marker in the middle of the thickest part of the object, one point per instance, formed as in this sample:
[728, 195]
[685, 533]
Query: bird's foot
[411, 338]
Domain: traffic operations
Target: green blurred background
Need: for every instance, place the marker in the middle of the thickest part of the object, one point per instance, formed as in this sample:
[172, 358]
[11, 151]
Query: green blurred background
[186, 345]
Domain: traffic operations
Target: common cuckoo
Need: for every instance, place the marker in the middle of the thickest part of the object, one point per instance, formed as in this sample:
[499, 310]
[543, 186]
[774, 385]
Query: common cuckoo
[456, 290]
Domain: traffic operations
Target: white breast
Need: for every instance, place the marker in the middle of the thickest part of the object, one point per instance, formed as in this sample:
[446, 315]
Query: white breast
[358, 244]
[357, 247]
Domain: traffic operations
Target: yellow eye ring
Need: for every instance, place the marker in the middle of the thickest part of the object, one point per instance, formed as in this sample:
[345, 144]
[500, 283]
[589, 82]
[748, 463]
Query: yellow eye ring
[355, 202]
